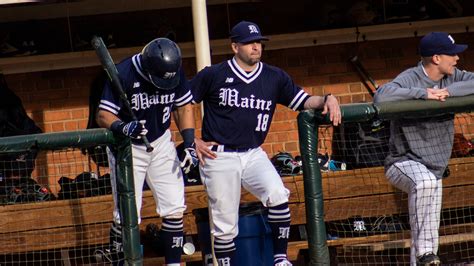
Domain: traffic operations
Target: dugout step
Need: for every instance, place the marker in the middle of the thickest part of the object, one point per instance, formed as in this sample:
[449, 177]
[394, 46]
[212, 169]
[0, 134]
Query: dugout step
[405, 243]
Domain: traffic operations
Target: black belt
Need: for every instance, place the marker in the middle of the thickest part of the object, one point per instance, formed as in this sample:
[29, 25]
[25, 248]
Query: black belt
[227, 148]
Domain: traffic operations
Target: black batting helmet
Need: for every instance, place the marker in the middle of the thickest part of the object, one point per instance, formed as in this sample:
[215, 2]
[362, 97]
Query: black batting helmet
[161, 59]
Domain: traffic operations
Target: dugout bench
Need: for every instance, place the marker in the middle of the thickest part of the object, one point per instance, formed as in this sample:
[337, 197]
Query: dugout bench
[361, 192]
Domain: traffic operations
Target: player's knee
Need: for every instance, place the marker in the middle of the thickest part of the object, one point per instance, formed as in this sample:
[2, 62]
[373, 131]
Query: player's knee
[277, 197]
[427, 184]
[177, 215]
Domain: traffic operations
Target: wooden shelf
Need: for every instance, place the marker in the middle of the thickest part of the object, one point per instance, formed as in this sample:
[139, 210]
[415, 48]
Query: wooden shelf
[14, 65]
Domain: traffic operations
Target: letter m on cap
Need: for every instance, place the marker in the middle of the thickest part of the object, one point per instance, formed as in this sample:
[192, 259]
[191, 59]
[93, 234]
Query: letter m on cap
[253, 29]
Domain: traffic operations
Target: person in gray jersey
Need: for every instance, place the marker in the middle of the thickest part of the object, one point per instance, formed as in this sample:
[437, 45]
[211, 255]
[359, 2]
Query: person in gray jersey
[420, 148]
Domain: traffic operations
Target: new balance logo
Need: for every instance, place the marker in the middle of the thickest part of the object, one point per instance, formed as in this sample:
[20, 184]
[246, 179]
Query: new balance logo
[229, 80]
[136, 84]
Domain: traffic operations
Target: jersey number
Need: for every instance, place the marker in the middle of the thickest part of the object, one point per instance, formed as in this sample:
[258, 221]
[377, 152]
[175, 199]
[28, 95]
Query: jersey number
[166, 114]
[262, 122]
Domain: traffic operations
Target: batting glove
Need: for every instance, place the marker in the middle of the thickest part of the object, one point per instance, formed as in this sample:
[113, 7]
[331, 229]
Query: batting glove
[189, 159]
[134, 129]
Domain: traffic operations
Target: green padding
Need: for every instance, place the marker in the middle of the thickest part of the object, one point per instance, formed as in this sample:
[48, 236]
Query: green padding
[358, 112]
[51, 141]
[424, 108]
[318, 250]
[128, 209]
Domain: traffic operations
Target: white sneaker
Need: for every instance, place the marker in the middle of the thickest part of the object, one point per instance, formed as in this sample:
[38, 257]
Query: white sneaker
[284, 262]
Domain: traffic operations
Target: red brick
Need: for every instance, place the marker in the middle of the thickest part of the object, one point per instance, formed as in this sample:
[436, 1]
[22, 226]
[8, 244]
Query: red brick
[271, 137]
[374, 64]
[267, 148]
[277, 147]
[282, 137]
[313, 80]
[79, 113]
[47, 128]
[67, 103]
[345, 99]
[71, 126]
[291, 146]
[297, 71]
[82, 124]
[319, 90]
[293, 135]
[78, 92]
[358, 98]
[279, 116]
[282, 126]
[331, 68]
[337, 89]
[57, 127]
[292, 115]
[344, 78]
[60, 94]
[356, 87]
[51, 116]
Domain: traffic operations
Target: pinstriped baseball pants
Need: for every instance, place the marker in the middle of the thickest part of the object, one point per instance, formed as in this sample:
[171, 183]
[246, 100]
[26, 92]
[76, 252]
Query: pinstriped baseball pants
[424, 204]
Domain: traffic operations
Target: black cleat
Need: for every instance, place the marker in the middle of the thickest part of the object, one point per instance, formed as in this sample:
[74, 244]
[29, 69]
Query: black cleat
[428, 259]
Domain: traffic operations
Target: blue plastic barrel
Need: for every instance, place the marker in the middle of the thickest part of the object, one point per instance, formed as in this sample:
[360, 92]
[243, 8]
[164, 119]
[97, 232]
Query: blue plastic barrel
[254, 245]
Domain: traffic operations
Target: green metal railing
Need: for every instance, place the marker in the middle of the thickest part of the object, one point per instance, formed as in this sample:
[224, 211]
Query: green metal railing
[125, 187]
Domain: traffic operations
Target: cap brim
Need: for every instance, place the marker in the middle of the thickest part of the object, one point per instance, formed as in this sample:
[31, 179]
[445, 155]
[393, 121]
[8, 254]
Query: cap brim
[252, 39]
[459, 48]
[165, 84]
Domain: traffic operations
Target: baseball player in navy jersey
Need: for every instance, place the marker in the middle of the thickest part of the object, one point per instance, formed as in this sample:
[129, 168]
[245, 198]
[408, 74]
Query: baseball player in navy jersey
[155, 84]
[239, 97]
[420, 148]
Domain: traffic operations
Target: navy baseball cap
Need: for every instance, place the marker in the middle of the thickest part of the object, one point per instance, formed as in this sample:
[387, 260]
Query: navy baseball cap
[439, 43]
[245, 32]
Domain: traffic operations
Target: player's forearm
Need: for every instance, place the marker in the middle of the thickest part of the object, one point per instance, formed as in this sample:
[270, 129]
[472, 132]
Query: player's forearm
[105, 119]
[184, 117]
[314, 102]
[317, 102]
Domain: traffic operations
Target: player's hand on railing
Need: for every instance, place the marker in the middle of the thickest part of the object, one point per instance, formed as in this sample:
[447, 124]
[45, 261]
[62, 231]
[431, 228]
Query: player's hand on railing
[189, 159]
[437, 94]
[331, 106]
[133, 129]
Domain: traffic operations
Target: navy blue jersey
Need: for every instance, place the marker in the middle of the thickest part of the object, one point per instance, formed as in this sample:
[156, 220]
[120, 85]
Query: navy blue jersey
[148, 102]
[239, 106]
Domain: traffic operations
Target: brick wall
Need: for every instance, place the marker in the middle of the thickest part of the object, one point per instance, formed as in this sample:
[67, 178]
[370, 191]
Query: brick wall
[58, 100]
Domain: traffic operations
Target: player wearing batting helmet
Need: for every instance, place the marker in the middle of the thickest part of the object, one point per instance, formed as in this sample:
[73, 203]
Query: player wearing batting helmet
[420, 148]
[240, 96]
[155, 85]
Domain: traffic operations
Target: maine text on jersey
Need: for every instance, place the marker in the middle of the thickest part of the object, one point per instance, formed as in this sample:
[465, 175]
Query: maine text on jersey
[142, 101]
[230, 97]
